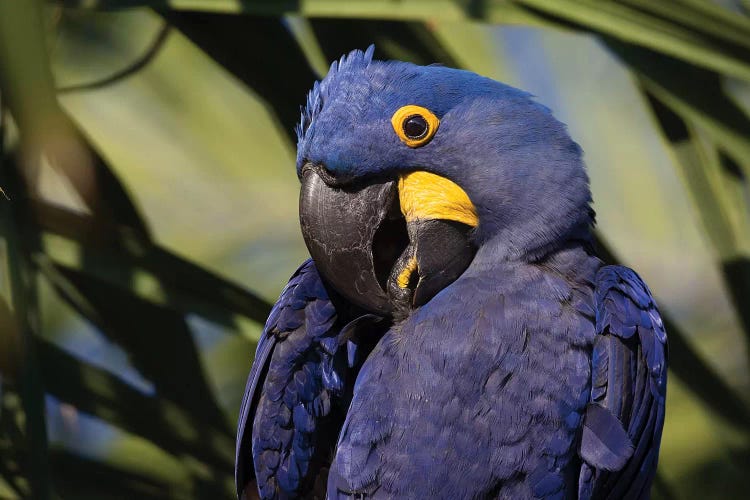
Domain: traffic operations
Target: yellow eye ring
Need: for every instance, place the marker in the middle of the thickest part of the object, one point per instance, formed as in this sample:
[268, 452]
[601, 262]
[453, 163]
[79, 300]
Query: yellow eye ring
[414, 125]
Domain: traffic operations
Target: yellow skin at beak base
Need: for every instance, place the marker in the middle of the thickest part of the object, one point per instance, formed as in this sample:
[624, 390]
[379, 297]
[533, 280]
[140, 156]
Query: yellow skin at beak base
[426, 196]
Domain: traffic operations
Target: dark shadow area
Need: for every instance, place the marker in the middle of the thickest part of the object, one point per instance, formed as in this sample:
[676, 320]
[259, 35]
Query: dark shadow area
[737, 278]
[671, 124]
[407, 41]
[14, 453]
[85, 479]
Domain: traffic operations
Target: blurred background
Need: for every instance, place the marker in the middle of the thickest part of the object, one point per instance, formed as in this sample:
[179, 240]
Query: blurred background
[149, 216]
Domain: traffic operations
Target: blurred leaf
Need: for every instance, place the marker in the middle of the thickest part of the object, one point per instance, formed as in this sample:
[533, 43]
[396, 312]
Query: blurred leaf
[368, 9]
[695, 94]
[697, 32]
[662, 490]
[694, 372]
[737, 275]
[686, 102]
[211, 170]
[685, 30]
[183, 285]
[13, 444]
[74, 478]
[150, 334]
[132, 68]
[32, 103]
[155, 418]
[473, 46]
[276, 68]
[18, 311]
[25, 76]
[702, 174]
[407, 41]
[302, 31]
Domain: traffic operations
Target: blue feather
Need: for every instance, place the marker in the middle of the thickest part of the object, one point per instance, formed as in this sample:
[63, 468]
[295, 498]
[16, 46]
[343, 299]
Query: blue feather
[604, 442]
[636, 388]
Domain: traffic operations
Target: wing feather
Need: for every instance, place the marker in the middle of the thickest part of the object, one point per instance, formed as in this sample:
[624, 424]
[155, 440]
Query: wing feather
[629, 378]
[289, 389]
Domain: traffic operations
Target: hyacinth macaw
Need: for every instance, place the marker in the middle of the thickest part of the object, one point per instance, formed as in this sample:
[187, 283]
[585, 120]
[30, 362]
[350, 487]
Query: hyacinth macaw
[454, 334]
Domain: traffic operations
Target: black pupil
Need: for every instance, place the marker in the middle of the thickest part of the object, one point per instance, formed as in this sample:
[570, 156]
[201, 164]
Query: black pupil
[415, 127]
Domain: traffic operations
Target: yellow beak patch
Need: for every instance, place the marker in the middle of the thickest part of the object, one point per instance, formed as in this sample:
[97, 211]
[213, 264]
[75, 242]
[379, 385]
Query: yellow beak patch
[426, 196]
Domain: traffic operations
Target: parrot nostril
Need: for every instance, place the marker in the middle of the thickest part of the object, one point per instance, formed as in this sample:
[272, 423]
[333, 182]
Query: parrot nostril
[326, 175]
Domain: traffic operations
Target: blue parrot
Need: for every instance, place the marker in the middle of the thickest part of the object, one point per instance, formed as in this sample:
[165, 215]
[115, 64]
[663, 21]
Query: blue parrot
[454, 334]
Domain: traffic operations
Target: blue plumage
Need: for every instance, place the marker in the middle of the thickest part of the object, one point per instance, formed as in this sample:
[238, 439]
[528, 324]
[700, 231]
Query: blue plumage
[289, 390]
[630, 385]
[469, 405]
[538, 373]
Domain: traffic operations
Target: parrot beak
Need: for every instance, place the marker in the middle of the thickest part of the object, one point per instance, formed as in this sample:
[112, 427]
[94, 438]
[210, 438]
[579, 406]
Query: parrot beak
[387, 246]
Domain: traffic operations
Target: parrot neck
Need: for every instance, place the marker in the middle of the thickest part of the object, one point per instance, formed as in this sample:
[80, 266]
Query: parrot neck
[575, 246]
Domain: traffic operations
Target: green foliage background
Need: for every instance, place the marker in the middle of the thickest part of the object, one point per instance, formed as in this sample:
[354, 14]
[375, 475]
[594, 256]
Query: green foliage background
[147, 154]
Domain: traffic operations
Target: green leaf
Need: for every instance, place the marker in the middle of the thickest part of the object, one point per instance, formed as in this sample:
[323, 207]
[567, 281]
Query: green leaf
[695, 94]
[34, 108]
[699, 41]
[158, 419]
[150, 334]
[701, 34]
[411, 41]
[282, 81]
[142, 268]
[700, 120]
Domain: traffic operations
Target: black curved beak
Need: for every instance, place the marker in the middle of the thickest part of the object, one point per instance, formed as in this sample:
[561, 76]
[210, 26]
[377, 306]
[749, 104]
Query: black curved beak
[367, 250]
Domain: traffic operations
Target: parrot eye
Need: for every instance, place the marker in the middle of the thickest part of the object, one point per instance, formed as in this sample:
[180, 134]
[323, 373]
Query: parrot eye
[414, 125]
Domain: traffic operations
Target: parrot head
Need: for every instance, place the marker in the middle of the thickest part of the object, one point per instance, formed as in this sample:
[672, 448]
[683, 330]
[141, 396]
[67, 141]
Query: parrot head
[411, 173]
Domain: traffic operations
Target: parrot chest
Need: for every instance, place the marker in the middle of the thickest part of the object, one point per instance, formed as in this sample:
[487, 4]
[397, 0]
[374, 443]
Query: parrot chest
[474, 394]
